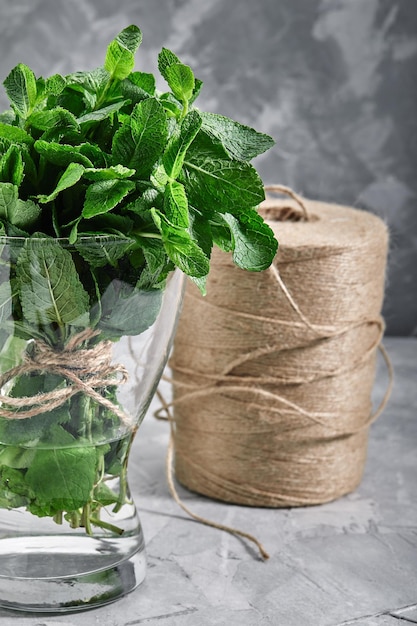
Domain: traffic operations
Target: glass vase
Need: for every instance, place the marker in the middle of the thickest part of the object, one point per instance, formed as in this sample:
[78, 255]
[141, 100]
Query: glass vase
[83, 343]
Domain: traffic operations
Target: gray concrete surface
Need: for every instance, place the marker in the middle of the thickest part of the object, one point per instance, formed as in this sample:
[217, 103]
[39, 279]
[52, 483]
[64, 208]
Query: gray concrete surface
[352, 561]
[334, 81]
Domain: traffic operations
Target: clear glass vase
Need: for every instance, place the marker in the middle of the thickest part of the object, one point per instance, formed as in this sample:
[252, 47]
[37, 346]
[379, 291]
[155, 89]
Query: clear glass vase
[83, 344]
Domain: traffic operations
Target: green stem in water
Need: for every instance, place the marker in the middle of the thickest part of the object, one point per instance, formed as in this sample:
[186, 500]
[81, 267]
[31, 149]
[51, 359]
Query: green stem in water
[85, 519]
[114, 529]
[58, 518]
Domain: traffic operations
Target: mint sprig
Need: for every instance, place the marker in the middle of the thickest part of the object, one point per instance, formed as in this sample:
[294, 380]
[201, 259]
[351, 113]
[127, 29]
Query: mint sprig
[137, 182]
[114, 117]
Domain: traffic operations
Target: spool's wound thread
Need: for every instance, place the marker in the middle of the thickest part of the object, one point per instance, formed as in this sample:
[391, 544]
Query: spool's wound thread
[273, 371]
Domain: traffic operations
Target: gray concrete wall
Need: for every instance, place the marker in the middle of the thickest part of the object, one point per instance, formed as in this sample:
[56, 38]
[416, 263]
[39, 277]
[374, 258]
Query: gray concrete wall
[334, 81]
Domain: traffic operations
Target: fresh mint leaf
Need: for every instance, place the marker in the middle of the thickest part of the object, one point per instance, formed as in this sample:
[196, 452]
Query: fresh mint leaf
[197, 88]
[144, 81]
[103, 195]
[61, 154]
[120, 59]
[157, 264]
[57, 118]
[15, 134]
[70, 476]
[176, 204]
[69, 178]
[109, 173]
[166, 58]
[127, 310]
[12, 350]
[11, 166]
[20, 213]
[139, 144]
[104, 251]
[37, 428]
[24, 214]
[15, 457]
[54, 85]
[240, 141]
[254, 242]
[181, 80]
[101, 114]
[180, 247]
[20, 86]
[8, 198]
[213, 180]
[104, 495]
[6, 300]
[174, 155]
[13, 488]
[50, 288]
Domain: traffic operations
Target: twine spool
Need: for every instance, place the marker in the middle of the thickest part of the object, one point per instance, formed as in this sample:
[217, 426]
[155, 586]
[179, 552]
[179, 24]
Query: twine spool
[273, 371]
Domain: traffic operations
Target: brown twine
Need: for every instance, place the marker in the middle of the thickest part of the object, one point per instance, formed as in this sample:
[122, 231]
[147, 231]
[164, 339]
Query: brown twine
[87, 369]
[272, 407]
[176, 497]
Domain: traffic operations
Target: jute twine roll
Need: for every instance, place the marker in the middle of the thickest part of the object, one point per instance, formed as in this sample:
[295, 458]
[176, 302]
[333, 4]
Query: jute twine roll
[273, 371]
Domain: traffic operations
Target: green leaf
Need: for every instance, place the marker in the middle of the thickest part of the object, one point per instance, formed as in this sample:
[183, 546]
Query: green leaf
[12, 351]
[104, 195]
[166, 58]
[180, 247]
[50, 288]
[178, 145]
[24, 214]
[176, 204]
[61, 154]
[62, 479]
[57, 118]
[253, 241]
[104, 251]
[157, 263]
[181, 80]
[15, 134]
[20, 86]
[11, 166]
[16, 457]
[69, 178]
[54, 85]
[127, 310]
[6, 301]
[214, 181]
[120, 59]
[20, 213]
[241, 142]
[8, 199]
[108, 173]
[101, 114]
[144, 81]
[139, 144]
[14, 490]
[84, 90]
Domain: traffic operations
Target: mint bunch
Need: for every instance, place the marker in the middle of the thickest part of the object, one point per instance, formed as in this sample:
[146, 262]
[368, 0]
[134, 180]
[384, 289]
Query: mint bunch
[106, 186]
[102, 152]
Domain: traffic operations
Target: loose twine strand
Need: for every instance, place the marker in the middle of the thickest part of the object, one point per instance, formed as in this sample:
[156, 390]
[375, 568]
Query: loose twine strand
[87, 369]
[225, 381]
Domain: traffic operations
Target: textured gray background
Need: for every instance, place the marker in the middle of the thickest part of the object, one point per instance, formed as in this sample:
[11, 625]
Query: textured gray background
[334, 81]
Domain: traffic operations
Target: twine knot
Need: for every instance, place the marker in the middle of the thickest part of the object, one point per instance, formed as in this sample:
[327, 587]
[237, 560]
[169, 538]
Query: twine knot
[86, 370]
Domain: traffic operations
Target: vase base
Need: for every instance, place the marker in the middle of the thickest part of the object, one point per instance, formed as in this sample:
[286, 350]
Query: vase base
[64, 574]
